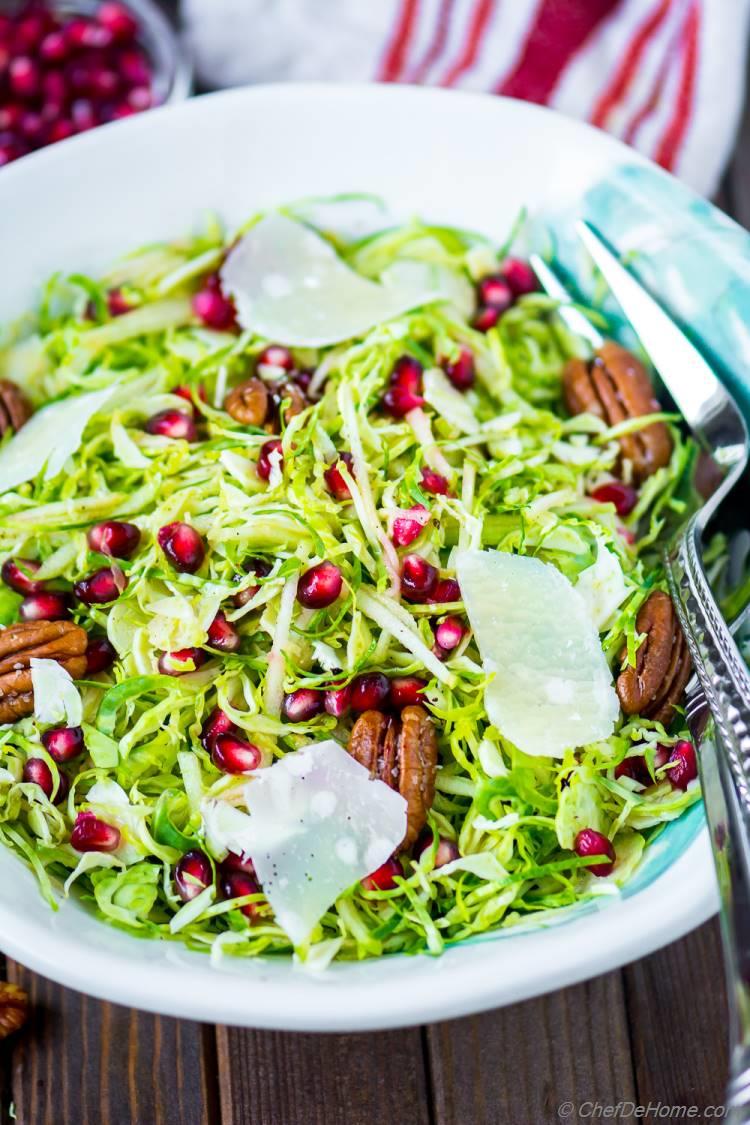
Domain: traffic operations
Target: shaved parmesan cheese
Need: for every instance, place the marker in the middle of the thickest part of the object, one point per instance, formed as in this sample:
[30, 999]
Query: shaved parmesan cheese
[317, 825]
[552, 687]
[56, 698]
[290, 285]
[602, 587]
[50, 437]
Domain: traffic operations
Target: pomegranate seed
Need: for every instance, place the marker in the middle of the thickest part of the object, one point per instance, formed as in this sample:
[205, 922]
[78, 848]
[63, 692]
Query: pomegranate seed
[17, 573]
[405, 391]
[182, 546]
[10, 117]
[449, 633]
[212, 308]
[302, 705]
[192, 874]
[133, 67]
[83, 115]
[90, 834]
[615, 492]
[303, 378]
[172, 424]
[337, 486]
[406, 691]
[486, 318]
[121, 111]
[54, 88]
[117, 20]
[337, 701]
[319, 586]
[101, 587]
[37, 772]
[263, 466]
[258, 568]
[399, 402]
[222, 634]
[418, 578]
[218, 722]
[32, 126]
[495, 292]
[661, 755]
[446, 851]
[54, 47]
[44, 607]
[63, 743]
[434, 483]
[114, 538]
[590, 842]
[100, 655]
[685, 768]
[190, 395]
[384, 879]
[520, 276]
[181, 662]
[447, 590]
[233, 755]
[30, 31]
[116, 303]
[369, 692]
[277, 358]
[409, 527]
[11, 150]
[237, 884]
[635, 768]
[24, 77]
[60, 131]
[140, 98]
[461, 372]
[234, 862]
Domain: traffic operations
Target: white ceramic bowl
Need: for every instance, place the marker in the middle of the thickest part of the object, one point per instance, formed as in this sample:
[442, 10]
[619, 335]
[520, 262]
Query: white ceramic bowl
[469, 160]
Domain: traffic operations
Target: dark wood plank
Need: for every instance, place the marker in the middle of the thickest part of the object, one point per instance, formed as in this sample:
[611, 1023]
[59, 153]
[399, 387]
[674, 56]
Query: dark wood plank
[274, 1078]
[676, 1001]
[516, 1066]
[79, 1060]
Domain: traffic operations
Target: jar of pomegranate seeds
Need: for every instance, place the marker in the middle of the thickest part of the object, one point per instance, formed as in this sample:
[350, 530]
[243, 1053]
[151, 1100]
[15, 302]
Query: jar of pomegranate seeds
[67, 66]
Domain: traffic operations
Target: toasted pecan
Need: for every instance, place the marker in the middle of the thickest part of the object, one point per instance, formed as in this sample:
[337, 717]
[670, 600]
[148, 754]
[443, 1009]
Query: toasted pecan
[62, 641]
[15, 408]
[654, 685]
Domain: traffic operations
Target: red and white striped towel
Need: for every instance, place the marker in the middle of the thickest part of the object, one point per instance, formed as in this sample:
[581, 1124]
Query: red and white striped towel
[664, 75]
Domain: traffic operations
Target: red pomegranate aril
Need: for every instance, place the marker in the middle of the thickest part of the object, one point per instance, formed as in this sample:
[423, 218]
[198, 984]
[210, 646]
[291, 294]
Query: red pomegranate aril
[263, 466]
[461, 371]
[589, 842]
[369, 692]
[405, 392]
[10, 117]
[494, 292]
[24, 77]
[132, 66]
[190, 394]
[276, 358]
[37, 772]
[119, 540]
[32, 126]
[406, 691]
[218, 722]
[100, 655]
[55, 47]
[384, 878]
[520, 276]
[11, 150]
[101, 587]
[90, 834]
[445, 852]
[418, 578]
[449, 633]
[63, 788]
[661, 755]
[17, 573]
[140, 98]
[486, 318]
[623, 496]
[685, 767]
[398, 401]
[446, 590]
[182, 545]
[60, 131]
[117, 20]
[237, 884]
[222, 634]
[258, 568]
[212, 308]
[54, 88]
[302, 705]
[338, 701]
[44, 606]
[319, 586]
[233, 755]
[408, 527]
[435, 483]
[635, 767]
[30, 30]
[181, 662]
[407, 373]
[192, 874]
[234, 862]
[335, 482]
[172, 424]
[63, 743]
[83, 115]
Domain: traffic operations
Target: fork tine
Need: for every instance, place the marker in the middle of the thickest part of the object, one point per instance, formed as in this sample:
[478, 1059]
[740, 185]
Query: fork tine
[573, 318]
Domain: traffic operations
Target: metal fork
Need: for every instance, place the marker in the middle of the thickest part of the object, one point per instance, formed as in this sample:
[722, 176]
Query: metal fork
[722, 676]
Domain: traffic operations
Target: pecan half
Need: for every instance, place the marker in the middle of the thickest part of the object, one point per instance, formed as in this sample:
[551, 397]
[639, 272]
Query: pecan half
[654, 686]
[615, 386]
[403, 753]
[46, 640]
[15, 408]
[14, 1008]
[248, 403]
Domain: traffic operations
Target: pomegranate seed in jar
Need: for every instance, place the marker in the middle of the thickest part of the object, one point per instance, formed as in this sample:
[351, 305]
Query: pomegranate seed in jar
[446, 590]
[418, 578]
[181, 662]
[222, 634]
[37, 772]
[131, 64]
[369, 692]
[384, 879]
[117, 20]
[494, 292]
[520, 276]
[406, 691]
[302, 705]
[174, 424]
[101, 587]
[218, 722]
[335, 482]
[486, 318]
[192, 874]
[113, 538]
[408, 527]
[44, 607]
[434, 483]
[212, 308]
[18, 574]
[63, 743]
[233, 755]
[237, 884]
[337, 700]
[590, 842]
[60, 131]
[623, 496]
[319, 586]
[461, 371]
[685, 767]
[446, 850]
[263, 466]
[275, 359]
[24, 77]
[100, 655]
[90, 834]
[182, 545]
[55, 47]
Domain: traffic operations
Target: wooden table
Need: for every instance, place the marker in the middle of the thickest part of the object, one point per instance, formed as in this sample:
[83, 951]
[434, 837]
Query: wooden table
[652, 1032]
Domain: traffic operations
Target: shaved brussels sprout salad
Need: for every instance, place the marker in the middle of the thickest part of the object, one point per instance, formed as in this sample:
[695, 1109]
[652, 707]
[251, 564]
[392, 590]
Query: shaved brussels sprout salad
[252, 463]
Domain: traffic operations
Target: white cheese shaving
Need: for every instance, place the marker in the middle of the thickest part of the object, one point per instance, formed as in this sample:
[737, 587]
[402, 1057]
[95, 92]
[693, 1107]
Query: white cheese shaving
[56, 698]
[602, 587]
